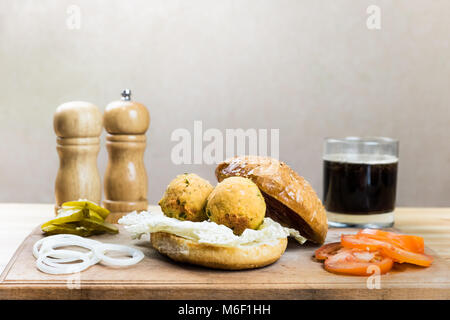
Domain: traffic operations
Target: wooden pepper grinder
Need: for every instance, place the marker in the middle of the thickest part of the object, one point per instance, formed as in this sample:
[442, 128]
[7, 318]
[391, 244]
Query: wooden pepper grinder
[125, 181]
[78, 126]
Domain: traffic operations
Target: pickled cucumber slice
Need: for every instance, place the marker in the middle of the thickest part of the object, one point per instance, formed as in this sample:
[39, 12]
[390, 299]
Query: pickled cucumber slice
[82, 203]
[82, 217]
[95, 216]
[67, 229]
[91, 224]
[65, 216]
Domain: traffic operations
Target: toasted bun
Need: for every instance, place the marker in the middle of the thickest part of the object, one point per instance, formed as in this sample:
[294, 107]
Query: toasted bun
[228, 258]
[290, 199]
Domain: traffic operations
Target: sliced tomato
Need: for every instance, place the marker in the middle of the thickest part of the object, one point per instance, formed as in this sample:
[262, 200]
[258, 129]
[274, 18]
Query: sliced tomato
[360, 241]
[358, 262]
[406, 242]
[327, 250]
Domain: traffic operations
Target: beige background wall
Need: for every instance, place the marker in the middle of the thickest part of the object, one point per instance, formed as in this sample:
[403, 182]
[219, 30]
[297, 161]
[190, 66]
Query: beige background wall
[310, 68]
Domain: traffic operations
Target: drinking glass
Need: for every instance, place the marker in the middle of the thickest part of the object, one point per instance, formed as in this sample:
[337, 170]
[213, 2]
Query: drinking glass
[360, 181]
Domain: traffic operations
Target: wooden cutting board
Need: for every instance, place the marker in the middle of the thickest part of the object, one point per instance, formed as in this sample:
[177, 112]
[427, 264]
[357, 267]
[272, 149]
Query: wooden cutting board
[295, 276]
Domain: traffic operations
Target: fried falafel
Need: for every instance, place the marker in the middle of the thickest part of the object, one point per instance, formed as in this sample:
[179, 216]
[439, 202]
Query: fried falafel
[185, 198]
[237, 203]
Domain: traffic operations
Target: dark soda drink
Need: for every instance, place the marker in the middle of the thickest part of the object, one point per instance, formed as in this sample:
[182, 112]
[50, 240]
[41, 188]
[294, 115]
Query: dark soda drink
[360, 188]
[360, 181]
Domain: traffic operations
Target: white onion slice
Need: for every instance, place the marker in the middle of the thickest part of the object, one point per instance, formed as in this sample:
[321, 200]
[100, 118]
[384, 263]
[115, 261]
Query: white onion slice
[61, 268]
[101, 249]
[50, 260]
[51, 245]
[62, 257]
[58, 238]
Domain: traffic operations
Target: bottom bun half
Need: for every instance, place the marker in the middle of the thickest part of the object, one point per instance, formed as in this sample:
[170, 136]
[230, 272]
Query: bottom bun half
[228, 258]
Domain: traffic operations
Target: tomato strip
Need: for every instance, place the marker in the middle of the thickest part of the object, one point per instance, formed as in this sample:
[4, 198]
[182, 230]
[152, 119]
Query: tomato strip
[406, 242]
[397, 253]
[358, 262]
[327, 250]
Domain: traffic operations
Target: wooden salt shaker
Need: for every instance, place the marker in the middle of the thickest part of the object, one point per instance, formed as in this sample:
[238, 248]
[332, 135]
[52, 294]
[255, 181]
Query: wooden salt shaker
[78, 126]
[125, 182]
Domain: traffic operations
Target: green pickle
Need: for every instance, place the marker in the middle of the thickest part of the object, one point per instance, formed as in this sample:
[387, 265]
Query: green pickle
[89, 205]
[95, 216]
[67, 229]
[65, 216]
[100, 226]
[83, 218]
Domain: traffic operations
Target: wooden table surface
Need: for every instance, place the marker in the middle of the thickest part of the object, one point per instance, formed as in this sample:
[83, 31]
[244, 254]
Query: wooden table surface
[19, 219]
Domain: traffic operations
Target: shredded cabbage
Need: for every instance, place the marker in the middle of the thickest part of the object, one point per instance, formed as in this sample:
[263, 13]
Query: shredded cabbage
[139, 224]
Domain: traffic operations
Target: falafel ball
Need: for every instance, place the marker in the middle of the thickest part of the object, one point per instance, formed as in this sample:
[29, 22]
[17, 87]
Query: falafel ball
[237, 203]
[185, 197]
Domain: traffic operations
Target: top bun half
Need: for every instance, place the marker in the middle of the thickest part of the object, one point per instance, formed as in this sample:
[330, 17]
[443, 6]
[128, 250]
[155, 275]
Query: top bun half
[290, 199]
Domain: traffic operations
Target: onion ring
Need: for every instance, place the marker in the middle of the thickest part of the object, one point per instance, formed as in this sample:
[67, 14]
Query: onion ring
[101, 249]
[55, 258]
[52, 245]
[62, 237]
[63, 269]
[50, 260]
